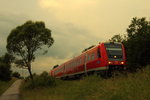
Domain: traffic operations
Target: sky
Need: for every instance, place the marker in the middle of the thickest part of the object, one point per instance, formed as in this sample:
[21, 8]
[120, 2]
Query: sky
[75, 24]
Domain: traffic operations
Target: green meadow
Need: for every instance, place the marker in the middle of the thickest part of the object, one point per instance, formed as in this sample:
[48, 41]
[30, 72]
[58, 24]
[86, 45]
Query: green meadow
[133, 86]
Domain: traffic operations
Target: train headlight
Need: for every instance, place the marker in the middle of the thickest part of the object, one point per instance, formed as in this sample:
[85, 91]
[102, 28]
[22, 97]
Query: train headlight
[122, 62]
[109, 62]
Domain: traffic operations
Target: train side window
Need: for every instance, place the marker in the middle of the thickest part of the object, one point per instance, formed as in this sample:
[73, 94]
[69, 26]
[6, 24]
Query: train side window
[74, 63]
[80, 61]
[77, 62]
[93, 56]
[98, 52]
[71, 64]
[89, 58]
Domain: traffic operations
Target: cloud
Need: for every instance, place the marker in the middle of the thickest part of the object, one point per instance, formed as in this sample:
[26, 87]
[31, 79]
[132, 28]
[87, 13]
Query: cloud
[8, 21]
[62, 4]
[70, 40]
[45, 63]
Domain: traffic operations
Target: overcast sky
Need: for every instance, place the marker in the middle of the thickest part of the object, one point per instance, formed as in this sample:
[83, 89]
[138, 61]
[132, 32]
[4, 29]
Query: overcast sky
[75, 24]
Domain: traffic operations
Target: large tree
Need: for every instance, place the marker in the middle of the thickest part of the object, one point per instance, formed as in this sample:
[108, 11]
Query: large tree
[138, 42]
[25, 40]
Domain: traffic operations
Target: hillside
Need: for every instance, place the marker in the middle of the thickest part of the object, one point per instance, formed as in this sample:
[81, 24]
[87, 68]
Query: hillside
[135, 86]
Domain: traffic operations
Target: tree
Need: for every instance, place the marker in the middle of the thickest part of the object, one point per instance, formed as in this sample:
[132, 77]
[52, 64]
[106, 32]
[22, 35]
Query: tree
[25, 40]
[137, 44]
[5, 72]
[16, 74]
[5, 66]
[116, 38]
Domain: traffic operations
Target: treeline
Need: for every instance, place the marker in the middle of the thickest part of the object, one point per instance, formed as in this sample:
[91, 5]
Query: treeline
[137, 43]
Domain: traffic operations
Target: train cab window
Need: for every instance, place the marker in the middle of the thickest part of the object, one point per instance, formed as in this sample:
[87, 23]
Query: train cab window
[114, 51]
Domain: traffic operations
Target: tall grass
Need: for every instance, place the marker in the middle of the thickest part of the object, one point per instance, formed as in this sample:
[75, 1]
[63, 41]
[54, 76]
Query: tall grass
[130, 87]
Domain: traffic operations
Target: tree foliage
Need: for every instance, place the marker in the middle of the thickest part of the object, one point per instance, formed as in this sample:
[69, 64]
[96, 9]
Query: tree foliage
[7, 58]
[16, 74]
[116, 38]
[138, 42]
[25, 40]
[20, 63]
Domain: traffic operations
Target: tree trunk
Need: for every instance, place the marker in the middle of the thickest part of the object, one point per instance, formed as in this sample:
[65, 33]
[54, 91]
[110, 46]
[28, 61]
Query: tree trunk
[29, 69]
[31, 76]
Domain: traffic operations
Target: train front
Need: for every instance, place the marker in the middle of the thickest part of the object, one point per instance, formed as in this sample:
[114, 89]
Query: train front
[116, 56]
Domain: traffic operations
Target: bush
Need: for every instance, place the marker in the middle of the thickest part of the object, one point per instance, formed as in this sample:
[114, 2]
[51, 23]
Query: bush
[43, 80]
[16, 74]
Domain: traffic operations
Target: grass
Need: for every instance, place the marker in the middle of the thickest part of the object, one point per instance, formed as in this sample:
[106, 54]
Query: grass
[5, 85]
[131, 87]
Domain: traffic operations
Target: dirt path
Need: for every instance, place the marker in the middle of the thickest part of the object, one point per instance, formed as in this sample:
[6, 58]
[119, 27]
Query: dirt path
[12, 93]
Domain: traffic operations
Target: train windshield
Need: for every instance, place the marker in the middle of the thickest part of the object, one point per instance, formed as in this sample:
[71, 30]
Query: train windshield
[114, 51]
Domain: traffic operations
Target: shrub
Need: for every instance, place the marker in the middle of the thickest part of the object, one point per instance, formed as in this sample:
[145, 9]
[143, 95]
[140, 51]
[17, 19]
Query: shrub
[43, 80]
[5, 72]
[16, 74]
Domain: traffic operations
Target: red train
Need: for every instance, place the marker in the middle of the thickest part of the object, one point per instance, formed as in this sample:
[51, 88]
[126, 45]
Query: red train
[104, 57]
